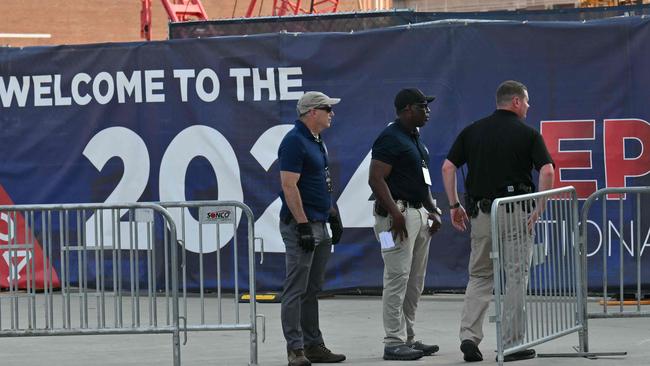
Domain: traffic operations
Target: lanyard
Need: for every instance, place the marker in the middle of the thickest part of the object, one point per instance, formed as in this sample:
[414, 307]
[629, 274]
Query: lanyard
[416, 139]
[323, 149]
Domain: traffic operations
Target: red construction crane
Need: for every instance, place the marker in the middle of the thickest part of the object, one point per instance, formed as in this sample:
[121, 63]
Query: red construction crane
[177, 11]
[295, 7]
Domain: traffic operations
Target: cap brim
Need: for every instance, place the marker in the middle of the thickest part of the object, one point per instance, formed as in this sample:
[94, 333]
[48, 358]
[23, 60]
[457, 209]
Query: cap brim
[430, 98]
[332, 101]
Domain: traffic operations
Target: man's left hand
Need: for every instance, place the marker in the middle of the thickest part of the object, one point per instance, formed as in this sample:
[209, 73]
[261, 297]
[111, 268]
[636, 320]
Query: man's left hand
[337, 227]
[436, 222]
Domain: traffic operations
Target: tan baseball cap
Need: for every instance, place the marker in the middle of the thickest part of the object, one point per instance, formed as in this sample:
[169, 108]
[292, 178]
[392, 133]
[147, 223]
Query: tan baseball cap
[313, 99]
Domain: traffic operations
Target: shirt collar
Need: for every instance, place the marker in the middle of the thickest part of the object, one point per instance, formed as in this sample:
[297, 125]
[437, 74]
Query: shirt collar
[505, 112]
[300, 125]
[413, 133]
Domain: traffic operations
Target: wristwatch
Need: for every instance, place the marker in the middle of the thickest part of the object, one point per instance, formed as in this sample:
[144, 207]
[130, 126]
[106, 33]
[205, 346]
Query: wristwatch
[455, 205]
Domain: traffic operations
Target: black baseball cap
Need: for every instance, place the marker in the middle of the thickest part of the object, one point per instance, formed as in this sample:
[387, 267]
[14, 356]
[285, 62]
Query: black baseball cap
[411, 96]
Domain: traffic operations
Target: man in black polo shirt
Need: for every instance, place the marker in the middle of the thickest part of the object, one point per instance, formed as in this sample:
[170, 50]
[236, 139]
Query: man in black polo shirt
[306, 207]
[500, 151]
[400, 180]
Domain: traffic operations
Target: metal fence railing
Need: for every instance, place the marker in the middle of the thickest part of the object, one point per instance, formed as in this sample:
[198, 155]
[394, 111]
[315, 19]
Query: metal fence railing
[114, 269]
[46, 248]
[537, 277]
[617, 236]
[204, 240]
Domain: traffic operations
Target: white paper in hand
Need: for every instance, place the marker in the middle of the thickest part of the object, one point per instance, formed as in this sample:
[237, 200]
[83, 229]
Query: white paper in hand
[386, 240]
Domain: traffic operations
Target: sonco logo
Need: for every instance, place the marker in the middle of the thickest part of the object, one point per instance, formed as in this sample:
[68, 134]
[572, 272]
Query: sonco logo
[218, 215]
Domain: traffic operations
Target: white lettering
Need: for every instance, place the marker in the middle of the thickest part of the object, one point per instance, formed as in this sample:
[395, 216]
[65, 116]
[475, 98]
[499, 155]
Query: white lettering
[259, 84]
[7, 92]
[285, 83]
[130, 86]
[265, 151]
[206, 142]
[41, 91]
[97, 90]
[200, 87]
[600, 237]
[76, 81]
[622, 242]
[58, 98]
[151, 86]
[646, 242]
[183, 75]
[240, 74]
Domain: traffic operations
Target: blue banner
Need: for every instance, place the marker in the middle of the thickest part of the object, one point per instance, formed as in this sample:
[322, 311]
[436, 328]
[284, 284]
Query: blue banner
[202, 119]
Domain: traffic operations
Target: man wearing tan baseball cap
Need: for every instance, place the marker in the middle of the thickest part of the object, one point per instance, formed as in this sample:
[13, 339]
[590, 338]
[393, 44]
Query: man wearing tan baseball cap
[306, 208]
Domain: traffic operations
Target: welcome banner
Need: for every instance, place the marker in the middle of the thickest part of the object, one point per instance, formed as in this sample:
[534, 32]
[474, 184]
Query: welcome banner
[202, 119]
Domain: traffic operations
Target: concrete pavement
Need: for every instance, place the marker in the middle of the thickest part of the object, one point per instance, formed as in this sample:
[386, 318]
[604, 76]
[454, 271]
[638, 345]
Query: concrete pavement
[351, 325]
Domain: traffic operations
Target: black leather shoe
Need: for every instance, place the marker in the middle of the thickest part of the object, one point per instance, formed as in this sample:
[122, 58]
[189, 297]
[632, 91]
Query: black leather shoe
[470, 350]
[321, 354]
[402, 353]
[297, 358]
[521, 355]
[427, 349]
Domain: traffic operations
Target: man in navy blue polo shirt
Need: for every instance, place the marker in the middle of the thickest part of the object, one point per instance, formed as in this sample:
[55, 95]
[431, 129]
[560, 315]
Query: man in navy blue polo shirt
[400, 181]
[306, 208]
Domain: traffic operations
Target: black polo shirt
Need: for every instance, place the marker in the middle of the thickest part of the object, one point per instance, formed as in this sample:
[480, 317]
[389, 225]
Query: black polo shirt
[499, 150]
[402, 149]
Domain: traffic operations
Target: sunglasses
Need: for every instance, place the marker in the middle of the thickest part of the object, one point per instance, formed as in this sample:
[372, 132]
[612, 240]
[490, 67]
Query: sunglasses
[325, 108]
[422, 105]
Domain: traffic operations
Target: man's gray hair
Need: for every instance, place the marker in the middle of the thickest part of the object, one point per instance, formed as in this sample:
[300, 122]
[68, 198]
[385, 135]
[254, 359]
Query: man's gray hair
[509, 89]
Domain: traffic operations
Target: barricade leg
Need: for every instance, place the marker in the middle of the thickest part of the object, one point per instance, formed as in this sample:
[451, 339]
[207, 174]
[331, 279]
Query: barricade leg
[176, 344]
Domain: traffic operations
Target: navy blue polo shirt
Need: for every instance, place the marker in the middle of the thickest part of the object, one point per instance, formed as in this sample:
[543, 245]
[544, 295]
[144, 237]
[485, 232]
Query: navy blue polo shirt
[301, 153]
[402, 149]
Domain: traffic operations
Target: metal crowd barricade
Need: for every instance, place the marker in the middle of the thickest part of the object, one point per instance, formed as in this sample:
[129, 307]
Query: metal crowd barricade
[94, 298]
[203, 240]
[537, 277]
[627, 209]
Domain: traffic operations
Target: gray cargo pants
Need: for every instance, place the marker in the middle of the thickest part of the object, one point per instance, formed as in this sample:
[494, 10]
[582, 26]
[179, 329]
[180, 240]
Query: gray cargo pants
[303, 282]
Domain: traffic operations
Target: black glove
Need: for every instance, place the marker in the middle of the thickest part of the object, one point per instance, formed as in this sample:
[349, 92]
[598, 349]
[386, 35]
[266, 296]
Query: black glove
[337, 228]
[305, 237]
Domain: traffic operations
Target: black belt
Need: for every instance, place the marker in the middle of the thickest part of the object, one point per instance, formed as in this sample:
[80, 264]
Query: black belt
[287, 220]
[381, 211]
[485, 205]
[410, 204]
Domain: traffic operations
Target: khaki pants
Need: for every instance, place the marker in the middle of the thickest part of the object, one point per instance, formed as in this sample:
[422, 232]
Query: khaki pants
[405, 267]
[517, 253]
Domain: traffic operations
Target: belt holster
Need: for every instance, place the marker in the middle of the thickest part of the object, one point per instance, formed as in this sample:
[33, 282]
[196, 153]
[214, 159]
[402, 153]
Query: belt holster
[471, 207]
[485, 205]
[380, 210]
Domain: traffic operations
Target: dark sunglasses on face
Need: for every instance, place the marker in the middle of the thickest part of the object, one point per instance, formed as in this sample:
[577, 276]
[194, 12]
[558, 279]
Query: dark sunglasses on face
[423, 106]
[325, 108]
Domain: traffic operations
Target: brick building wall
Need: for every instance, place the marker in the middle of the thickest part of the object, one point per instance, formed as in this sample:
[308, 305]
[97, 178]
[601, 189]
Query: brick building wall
[96, 21]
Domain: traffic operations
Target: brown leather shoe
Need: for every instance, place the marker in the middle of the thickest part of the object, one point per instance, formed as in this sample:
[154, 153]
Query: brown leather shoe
[321, 354]
[297, 358]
